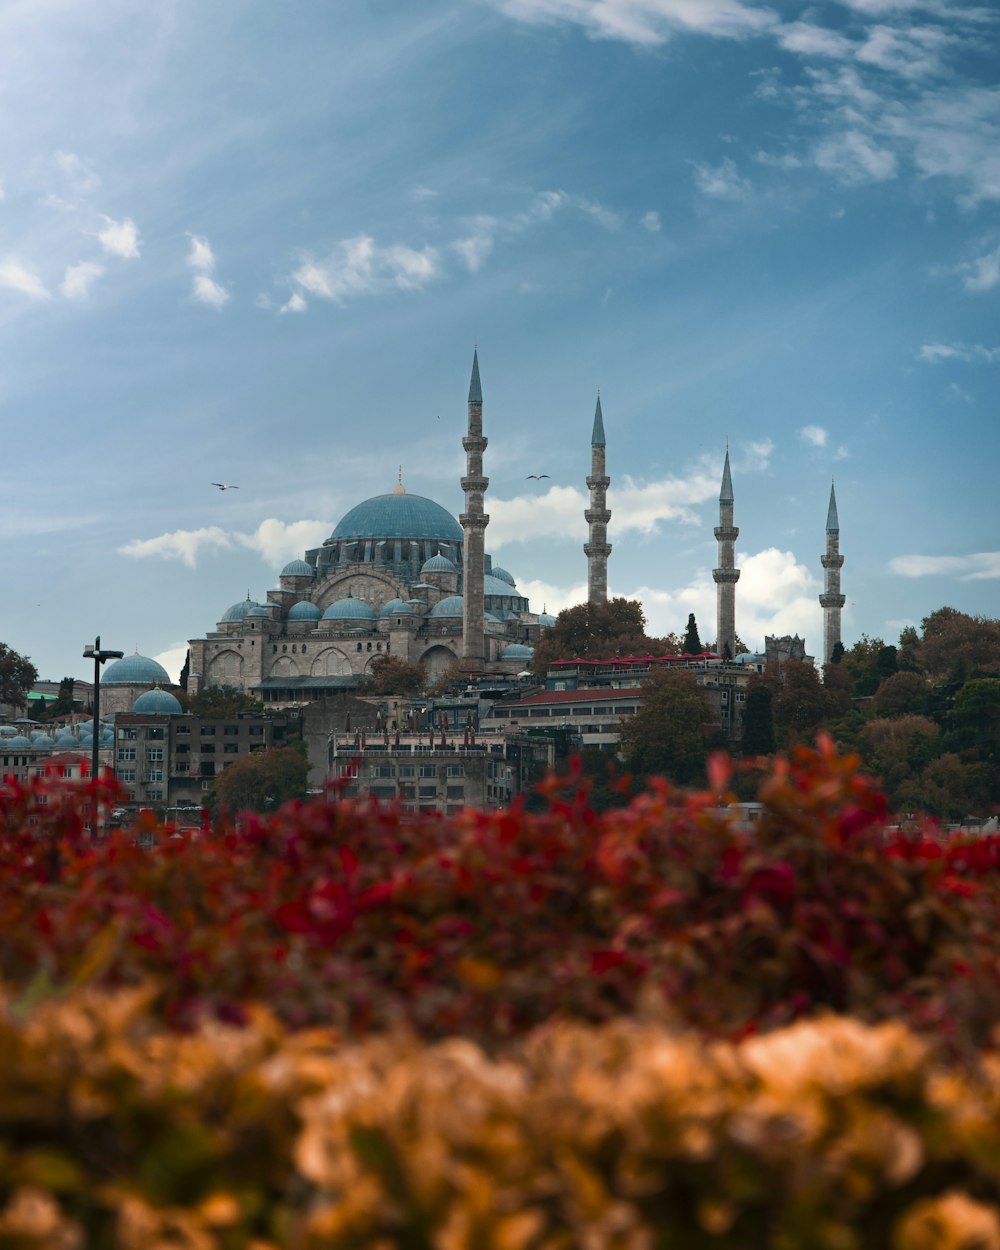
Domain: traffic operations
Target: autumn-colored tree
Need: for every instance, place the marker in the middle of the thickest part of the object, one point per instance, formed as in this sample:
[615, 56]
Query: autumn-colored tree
[17, 676]
[799, 701]
[902, 694]
[594, 631]
[956, 645]
[218, 702]
[900, 746]
[838, 686]
[262, 781]
[388, 674]
[666, 737]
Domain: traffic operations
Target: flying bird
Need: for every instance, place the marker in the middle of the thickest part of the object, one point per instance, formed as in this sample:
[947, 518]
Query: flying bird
[224, 485]
[537, 476]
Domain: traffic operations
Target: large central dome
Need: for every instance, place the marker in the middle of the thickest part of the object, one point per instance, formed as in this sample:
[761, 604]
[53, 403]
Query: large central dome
[398, 516]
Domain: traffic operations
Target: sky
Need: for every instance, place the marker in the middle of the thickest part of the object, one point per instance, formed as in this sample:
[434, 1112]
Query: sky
[257, 244]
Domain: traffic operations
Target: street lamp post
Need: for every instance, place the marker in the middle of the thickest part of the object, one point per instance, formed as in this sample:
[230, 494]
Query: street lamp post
[94, 652]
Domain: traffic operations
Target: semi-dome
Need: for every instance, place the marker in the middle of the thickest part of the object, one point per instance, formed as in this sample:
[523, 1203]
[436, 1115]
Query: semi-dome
[239, 610]
[452, 606]
[398, 516]
[135, 670]
[258, 609]
[349, 609]
[298, 568]
[438, 564]
[157, 703]
[496, 588]
[304, 611]
[503, 575]
[517, 651]
[396, 607]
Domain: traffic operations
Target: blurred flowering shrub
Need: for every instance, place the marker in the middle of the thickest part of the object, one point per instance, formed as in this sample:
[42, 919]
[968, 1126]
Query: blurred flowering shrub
[827, 1135]
[488, 924]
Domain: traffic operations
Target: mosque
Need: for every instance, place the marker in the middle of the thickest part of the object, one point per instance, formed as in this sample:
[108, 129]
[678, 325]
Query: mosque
[398, 576]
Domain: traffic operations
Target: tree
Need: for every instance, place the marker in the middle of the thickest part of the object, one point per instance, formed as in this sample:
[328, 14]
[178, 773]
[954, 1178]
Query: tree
[222, 701]
[838, 686]
[17, 676]
[799, 702]
[758, 720]
[666, 737]
[263, 780]
[901, 694]
[837, 654]
[594, 631]
[955, 644]
[861, 661]
[388, 674]
[692, 643]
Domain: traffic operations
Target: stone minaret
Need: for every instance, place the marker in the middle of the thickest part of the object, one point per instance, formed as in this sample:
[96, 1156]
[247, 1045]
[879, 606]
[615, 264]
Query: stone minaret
[831, 600]
[727, 574]
[474, 521]
[597, 515]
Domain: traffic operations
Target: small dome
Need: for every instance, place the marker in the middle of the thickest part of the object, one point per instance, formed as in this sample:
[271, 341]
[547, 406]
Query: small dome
[298, 568]
[135, 670]
[41, 739]
[437, 564]
[517, 651]
[452, 606]
[546, 620]
[157, 703]
[304, 611]
[503, 575]
[396, 607]
[258, 610]
[7, 731]
[349, 610]
[18, 740]
[67, 738]
[239, 610]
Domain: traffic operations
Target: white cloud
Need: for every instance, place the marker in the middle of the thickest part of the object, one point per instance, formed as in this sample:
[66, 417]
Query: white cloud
[854, 158]
[651, 222]
[200, 256]
[755, 456]
[183, 545]
[913, 53]
[295, 304]
[980, 566]
[814, 434]
[811, 40]
[18, 278]
[173, 660]
[934, 353]
[207, 291]
[476, 246]
[76, 283]
[359, 267]
[275, 541]
[645, 22]
[721, 181]
[120, 238]
[983, 273]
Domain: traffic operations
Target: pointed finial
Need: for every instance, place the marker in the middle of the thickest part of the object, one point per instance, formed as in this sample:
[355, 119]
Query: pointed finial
[597, 438]
[832, 523]
[399, 488]
[475, 389]
[726, 494]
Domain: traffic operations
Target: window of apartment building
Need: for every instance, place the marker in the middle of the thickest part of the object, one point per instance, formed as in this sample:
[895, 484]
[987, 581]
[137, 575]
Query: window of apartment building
[455, 792]
[741, 696]
[130, 734]
[154, 755]
[208, 748]
[231, 748]
[126, 753]
[407, 770]
[183, 748]
[208, 770]
[182, 729]
[154, 733]
[456, 770]
[384, 770]
[183, 767]
[428, 770]
[154, 774]
[407, 792]
[126, 774]
[383, 791]
[154, 796]
[428, 792]
[208, 731]
[231, 731]
[256, 731]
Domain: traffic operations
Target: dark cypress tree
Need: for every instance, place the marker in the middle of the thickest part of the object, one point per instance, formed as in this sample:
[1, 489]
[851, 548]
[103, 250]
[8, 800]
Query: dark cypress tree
[837, 654]
[692, 643]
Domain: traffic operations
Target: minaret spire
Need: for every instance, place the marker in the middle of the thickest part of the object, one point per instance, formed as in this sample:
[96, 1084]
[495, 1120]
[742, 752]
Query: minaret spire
[474, 522]
[727, 574]
[597, 515]
[831, 600]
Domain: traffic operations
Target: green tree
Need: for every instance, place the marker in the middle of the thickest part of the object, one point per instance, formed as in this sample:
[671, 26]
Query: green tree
[388, 674]
[216, 702]
[758, 720]
[593, 631]
[692, 643]
[262, 781]
[861, 661]
[17, 676]
[903, 693]
[976, 715]
[666, 737]
[837, 654]
[799, 702]
[956, 645]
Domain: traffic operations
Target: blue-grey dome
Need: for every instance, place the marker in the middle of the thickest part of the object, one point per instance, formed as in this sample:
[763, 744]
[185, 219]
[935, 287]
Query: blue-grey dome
[493, 620]
[452, 606]
[40, 739]
[7, 731]
[258, 609]
[437, 564]
[546, 620]
[298, 568]
[503, 575]
[157, 703]
[304, 611]
[349, 610]
[517, 651]
[66, 738]
[496, 588]
[399, 516]
[135, 670]
[239, 610]
[396, 607]
[18, 740]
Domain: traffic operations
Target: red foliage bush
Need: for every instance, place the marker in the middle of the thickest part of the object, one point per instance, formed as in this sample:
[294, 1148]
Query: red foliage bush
[488, 923]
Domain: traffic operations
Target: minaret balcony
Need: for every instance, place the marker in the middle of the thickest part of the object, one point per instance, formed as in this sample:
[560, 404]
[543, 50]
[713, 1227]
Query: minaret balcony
[597, 516]
[726, 533]
[473, 521]
[475, 442]
[726, 577]
[597, 549]
[475, 484]
[832, 561]
[598, 483]
[832, 601]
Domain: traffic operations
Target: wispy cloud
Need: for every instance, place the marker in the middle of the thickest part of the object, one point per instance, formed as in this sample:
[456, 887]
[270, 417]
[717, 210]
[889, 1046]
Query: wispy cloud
[934, 353]
[294, 304]
[204, 287]
[645, 22]
[358, 267]
[983, 273]
[814, 434]
[276, 542]
[651, 221]
[120, 238]
[722, 181]
[979, 566]
[853, 157]
[78, 279]
[18, 277]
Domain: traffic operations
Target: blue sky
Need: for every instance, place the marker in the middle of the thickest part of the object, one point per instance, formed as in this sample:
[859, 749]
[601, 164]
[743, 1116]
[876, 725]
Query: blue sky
[257, 243]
